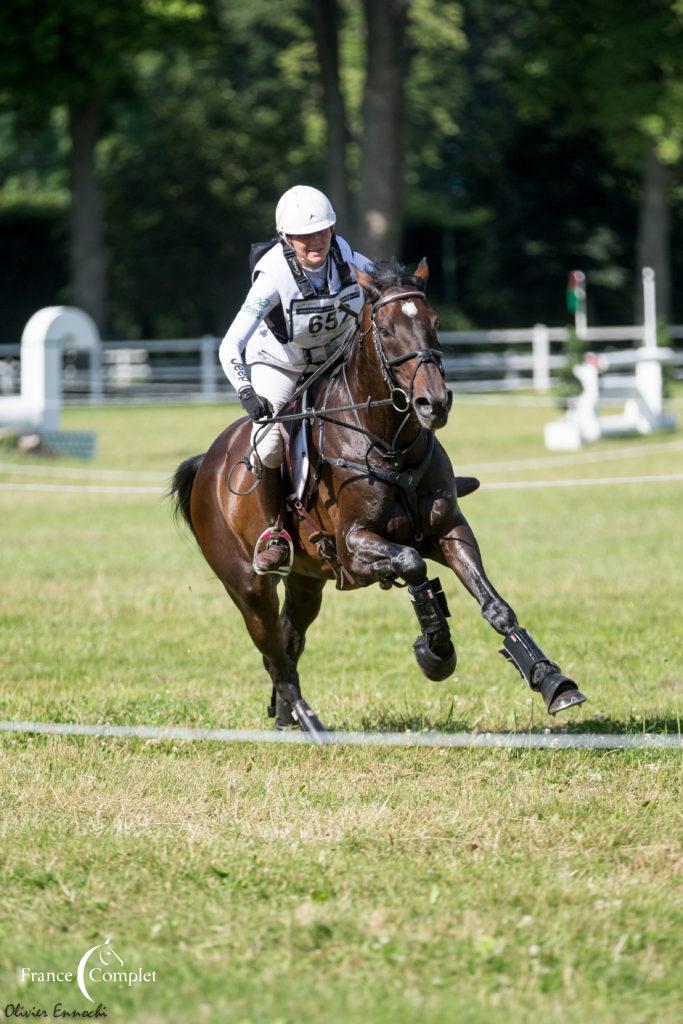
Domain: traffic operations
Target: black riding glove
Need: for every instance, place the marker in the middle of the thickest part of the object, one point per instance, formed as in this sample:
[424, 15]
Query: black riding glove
[255, 406]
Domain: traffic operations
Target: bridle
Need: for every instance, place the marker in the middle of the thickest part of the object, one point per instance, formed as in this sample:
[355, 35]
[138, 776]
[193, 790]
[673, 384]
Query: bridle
[421, 355]
[399, 399]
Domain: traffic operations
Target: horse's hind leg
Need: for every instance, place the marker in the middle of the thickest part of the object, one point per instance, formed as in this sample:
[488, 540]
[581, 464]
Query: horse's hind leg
[459, 550]
[259, 605]
[303, 597]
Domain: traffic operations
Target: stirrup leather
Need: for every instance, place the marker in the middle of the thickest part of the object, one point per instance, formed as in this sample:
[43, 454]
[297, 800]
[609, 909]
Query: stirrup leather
[271, 535]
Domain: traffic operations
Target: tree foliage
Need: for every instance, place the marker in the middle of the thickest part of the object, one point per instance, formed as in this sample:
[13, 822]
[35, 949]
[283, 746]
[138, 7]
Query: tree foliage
[526, 129]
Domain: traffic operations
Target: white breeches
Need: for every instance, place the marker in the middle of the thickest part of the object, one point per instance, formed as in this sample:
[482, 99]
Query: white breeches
[276, 384]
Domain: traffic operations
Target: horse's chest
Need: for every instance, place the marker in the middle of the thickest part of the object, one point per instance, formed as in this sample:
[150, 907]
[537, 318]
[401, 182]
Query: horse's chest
[394, 521]
[400, 528]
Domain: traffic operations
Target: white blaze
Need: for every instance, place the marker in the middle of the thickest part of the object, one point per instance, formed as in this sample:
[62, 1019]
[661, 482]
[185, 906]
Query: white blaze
[409, 308]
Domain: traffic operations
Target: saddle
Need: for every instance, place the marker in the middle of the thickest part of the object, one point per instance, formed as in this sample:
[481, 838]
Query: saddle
[300, 482]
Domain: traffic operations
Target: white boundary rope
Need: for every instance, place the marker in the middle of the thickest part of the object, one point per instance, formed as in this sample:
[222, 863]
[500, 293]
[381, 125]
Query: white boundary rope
[524, 741]
[80, 473]
[149, 476]
[506, 485]
[604, 481]
[84, 488]
[544, 461]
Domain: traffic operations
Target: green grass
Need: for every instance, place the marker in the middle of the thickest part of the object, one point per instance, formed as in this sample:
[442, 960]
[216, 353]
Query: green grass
[306, 885]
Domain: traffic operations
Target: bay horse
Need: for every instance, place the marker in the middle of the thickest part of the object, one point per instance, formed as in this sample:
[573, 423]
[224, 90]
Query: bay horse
[382, 498]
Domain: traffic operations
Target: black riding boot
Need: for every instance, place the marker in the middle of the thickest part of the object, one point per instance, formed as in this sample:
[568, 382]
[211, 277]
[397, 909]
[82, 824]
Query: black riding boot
[274, 548]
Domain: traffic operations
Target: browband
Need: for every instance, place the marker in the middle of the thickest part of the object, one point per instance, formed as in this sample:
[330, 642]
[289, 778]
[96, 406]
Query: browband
[397, 298]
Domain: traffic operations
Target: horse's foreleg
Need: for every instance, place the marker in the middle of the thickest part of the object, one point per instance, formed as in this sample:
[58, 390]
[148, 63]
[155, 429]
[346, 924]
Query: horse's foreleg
[374, 558]
[459, 550]
[378, 559]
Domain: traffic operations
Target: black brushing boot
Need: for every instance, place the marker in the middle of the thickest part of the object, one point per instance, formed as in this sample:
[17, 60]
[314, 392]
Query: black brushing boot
[543, 675]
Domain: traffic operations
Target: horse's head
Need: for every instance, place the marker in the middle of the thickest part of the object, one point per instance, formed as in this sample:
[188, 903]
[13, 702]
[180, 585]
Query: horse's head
[403, 328]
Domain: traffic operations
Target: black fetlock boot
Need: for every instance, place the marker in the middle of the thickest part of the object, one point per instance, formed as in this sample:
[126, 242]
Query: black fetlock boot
[434, 650]
[543, 675]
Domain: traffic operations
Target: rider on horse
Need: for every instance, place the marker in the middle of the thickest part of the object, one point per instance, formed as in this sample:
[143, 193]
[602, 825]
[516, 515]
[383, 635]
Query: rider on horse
[298, 312]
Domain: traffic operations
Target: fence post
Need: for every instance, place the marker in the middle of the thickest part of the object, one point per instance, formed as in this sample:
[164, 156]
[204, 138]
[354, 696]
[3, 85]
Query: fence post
[208, 357]
[541, 357]
[96, 378]
[649, 308]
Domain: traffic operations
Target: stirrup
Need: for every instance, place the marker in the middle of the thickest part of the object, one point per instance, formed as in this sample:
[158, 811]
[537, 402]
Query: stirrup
[271, 535]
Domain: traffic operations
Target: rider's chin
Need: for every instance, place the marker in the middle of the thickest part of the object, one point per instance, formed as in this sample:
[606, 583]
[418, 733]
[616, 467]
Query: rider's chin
[432, 415]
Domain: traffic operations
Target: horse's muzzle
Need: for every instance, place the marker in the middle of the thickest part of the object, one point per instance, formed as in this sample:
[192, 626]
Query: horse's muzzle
[433, 412]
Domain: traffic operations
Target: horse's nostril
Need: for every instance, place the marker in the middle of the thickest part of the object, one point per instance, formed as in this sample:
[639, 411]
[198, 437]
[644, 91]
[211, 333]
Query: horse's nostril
[424, 403]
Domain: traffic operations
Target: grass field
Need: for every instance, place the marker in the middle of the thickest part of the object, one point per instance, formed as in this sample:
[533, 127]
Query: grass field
[342, 885]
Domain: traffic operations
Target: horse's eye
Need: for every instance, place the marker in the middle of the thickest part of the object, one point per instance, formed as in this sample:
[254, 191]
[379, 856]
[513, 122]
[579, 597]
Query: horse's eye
[385, 330]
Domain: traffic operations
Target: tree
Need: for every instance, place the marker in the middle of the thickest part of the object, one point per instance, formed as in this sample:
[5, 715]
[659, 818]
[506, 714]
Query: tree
[617, 70]
[401, 95]
[381, 180]
[192, 169]
[77, 55]
[325, 17]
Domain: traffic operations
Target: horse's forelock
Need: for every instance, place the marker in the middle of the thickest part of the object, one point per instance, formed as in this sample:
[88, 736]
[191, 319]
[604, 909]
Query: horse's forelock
[390, 273]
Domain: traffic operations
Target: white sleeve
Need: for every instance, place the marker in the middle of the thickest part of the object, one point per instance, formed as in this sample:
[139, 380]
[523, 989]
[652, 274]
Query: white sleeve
[361, 262]
[261, 298]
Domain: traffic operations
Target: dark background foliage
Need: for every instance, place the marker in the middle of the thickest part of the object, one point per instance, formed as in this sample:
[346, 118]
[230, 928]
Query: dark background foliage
[518, 136]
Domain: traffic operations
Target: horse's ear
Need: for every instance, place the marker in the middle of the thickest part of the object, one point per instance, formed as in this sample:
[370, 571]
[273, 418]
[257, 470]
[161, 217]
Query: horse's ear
[365, 318]
[423, 271]
[368, 285]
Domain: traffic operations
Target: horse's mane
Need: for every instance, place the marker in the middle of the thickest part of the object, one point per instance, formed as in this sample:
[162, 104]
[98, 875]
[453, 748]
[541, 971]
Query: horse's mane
[392, 274]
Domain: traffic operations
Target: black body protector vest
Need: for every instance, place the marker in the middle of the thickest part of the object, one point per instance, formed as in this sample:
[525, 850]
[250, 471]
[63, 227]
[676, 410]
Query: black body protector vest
[276, 320]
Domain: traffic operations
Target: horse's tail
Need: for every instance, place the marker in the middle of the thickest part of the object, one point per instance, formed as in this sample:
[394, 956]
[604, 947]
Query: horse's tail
[181, 488]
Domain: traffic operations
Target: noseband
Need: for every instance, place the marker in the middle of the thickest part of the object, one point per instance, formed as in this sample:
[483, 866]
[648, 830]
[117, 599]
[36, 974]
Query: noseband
[421, 355]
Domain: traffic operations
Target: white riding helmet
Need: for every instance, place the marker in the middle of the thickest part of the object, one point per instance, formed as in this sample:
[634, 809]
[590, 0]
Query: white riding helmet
[303, 210]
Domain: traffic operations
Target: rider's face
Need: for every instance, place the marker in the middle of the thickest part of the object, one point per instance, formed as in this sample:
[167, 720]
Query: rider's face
[311, 250]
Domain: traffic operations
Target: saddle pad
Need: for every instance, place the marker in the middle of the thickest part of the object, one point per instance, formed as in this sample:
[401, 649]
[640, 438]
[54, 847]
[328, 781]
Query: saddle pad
[295, 435]
[300, 460]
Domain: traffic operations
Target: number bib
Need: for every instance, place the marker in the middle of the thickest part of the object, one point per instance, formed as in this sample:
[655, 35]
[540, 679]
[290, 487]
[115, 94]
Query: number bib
[319, 320]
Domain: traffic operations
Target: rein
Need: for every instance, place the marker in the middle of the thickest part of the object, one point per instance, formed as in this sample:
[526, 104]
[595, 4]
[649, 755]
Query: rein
[399, 400]
[406, 480]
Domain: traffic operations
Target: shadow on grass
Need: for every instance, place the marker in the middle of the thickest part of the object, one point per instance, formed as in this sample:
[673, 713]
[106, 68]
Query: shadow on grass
[631, 725]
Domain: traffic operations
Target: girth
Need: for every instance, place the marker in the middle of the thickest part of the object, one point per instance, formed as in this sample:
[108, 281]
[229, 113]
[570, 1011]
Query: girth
[408, 480]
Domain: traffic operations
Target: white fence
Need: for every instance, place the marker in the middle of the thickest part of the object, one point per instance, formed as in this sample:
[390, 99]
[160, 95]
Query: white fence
[187, 369]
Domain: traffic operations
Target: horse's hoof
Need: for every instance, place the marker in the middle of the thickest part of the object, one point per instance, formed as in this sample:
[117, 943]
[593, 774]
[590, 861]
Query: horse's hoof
[566, 699]
[281, 711]
[309, 722]
[559, 692]
[436, 667]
